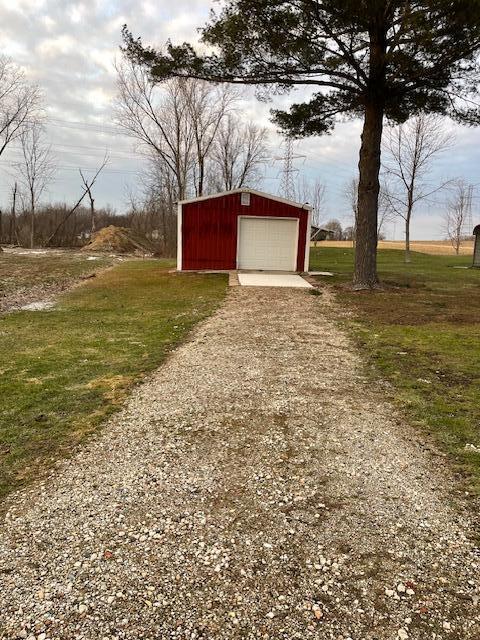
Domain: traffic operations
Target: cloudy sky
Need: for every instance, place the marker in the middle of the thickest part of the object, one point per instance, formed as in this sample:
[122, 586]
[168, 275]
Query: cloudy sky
[69, 49]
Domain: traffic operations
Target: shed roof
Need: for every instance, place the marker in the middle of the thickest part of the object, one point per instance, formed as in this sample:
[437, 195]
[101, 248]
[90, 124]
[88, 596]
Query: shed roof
[315, 228]
[254, 192]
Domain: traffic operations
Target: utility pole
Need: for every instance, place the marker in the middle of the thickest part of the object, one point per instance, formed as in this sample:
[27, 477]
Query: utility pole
[13, 215]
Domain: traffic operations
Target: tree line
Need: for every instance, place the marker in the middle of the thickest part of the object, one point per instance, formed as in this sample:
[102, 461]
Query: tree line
[191, 134]
[194, 140]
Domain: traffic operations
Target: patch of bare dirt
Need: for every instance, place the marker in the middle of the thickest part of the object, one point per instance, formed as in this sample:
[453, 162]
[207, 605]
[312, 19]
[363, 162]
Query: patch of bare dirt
[39, 295]
[256, 486]
[32, 279]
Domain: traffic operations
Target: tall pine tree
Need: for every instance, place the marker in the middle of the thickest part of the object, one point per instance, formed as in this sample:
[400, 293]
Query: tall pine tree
[367, 59]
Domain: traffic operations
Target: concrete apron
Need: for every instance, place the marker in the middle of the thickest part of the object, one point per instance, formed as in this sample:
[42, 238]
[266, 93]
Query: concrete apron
[273, 280]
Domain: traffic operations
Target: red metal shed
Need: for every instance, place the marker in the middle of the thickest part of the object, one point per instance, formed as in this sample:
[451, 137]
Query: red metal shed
[243, 229]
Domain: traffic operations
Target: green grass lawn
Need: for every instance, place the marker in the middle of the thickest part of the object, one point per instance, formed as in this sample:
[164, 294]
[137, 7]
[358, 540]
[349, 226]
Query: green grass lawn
[64, 370]
[422, 333]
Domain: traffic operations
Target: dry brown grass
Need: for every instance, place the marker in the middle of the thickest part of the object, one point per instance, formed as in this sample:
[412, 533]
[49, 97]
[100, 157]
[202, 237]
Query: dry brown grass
[118, 240]
[432, 247]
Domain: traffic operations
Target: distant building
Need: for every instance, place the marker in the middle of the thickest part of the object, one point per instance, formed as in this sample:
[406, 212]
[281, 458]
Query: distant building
[318, 233]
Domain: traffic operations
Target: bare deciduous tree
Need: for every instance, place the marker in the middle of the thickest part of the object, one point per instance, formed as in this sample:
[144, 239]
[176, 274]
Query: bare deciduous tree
[409, 151]
[207, 106]
[351, 196]
[315, 193]
[459, 207]
[157, 119]
[238, 153]
[335, 227]
[20, 103]
[87, 186]
[177, 122]
[74, 231]
[36, 170]
[385, 212]
[157, 204]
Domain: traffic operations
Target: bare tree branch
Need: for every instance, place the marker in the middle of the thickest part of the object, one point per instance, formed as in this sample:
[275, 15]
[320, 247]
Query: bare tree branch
[238, 152]
[87, 188]
[315, 193]
[409, 152]
[20, 103]
[178, 122]
[36, 170]
[459, 207]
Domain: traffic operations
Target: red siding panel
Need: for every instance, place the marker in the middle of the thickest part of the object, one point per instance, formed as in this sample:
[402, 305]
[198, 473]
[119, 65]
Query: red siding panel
[209, 229]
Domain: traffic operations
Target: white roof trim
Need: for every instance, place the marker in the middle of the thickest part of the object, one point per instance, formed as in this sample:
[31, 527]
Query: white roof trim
[254, 192]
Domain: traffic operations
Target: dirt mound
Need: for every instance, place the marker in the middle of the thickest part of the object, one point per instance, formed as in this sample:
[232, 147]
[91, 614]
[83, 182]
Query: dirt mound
[118, 240]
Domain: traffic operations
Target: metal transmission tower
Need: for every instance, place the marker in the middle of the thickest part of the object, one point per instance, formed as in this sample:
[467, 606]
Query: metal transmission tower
[469, 218]
[288, 171]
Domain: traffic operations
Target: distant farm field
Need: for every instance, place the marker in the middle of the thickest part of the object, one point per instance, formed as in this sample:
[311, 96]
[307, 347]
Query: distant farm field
[432, 247]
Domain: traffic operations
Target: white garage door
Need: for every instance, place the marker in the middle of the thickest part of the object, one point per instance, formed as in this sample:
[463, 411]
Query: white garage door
[268, 243]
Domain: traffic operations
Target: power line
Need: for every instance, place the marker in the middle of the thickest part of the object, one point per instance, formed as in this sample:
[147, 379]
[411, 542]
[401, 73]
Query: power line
[99, 128]
[130, 154]
[86, 126]
[83, 126]
[15, 154]
[76, 168]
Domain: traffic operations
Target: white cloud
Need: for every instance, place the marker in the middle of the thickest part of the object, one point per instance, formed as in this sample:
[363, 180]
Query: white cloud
[56, 46]
[76, 13]
[49, 23]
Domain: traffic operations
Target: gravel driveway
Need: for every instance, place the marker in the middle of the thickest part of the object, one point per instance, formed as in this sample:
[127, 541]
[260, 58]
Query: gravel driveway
[255, 487]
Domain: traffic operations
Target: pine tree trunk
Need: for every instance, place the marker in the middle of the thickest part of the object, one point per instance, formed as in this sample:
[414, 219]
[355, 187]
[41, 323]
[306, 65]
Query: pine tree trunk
[365, 276]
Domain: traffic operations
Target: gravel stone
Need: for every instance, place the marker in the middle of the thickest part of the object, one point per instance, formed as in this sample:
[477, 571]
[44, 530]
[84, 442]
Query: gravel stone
[258, 477]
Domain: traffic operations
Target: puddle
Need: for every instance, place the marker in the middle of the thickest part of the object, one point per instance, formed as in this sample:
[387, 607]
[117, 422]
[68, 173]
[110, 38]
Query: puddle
[37, 306]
